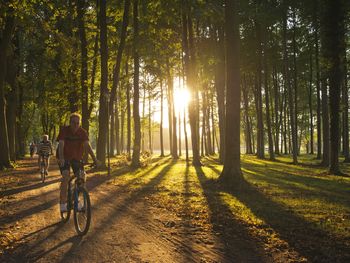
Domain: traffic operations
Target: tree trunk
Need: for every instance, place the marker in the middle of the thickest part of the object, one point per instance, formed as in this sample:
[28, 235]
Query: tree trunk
[116, 134]
[143, 121]
[112, 132]
[186, 137]
[170, 118]
[231, 173]
[310, 108]
[116, 74]
[11, 120]
[204, 148]
[104, 93]
[267, 101]
[259, 105]
[4, 46]
[246, 118]
[179, 129]
[84, 67]
[12, 101]
[161, 119]
[137, 125]
[345, 102]
[213, 125]
[318, 88]
[220, 92]
[295, 84]
[128, 110]
[333, 17]
[290, 93]
[150, 122]
[172, 115]
[193, 108]
[276, 109]
[122, 126]
[93, 74]
[190, 69]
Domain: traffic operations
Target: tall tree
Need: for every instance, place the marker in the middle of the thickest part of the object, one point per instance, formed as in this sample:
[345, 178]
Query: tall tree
[291, 98]
[190, 69]
[116, 73]
[161, 119]
[84, 59]
[258, 93]
[136, 111]
[318, 86]
[231, 172]
[267, 100]
[333, 16]
[345, 102]
[220, 90]
[4, 47]
[104, 92]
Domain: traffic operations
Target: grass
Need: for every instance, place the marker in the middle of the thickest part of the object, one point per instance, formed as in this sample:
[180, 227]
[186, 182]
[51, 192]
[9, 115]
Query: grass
[291, 211]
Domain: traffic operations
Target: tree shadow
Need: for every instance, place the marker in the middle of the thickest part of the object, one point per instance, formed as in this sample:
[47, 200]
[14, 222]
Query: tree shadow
[308, 187]
[118, 211]
[305, 237]
[239, 244]
[23, 251]
[75, 240]
[322, 188]
[27, 188]
[92, 183]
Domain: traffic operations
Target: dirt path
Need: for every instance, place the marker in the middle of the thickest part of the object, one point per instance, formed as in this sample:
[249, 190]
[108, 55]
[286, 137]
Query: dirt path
[125, 227]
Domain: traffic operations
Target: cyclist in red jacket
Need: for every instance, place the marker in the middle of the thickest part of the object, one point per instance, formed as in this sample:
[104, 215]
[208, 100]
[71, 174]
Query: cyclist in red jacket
[72, 139]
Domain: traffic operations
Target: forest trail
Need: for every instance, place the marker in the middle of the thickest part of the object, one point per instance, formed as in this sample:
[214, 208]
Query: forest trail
[124, 227]
[170, 212]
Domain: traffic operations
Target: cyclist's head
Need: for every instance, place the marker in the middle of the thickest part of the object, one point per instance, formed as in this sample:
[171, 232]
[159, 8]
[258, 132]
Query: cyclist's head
[74, 120]
[45, 138]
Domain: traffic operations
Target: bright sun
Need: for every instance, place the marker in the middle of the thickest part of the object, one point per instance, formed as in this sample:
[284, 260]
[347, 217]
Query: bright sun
[181, 98]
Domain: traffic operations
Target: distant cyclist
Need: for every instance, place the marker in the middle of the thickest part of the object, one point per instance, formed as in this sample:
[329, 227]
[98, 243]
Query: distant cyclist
[72, 139]
[32, 149]
[44, 149]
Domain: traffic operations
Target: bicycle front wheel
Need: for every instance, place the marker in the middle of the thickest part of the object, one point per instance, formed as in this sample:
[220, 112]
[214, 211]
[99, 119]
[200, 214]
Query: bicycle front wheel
[82, 211]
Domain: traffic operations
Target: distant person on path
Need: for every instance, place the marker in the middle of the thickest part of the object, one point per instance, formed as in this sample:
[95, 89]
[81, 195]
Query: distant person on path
[32, 149]
[72, 141]
[44, 150]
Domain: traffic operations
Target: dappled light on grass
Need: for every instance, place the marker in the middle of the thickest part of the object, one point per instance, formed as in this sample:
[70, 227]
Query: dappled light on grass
[319, 199]
[293, 204]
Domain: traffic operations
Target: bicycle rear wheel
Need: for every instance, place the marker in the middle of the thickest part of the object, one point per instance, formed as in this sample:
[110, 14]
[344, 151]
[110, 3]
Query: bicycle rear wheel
[82, 211]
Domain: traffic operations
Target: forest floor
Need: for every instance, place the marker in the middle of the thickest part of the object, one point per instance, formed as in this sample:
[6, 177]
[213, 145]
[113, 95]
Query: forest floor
[171, 212]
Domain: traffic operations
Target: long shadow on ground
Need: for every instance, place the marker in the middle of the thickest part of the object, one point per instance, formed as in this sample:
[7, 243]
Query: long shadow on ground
[305, 237]
[240, 245]
[27, 188]
[322, 188]
[93, 182]
[120, 209]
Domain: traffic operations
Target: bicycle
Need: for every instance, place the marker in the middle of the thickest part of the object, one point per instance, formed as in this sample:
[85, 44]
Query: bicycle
[78, 200]
[43, 172]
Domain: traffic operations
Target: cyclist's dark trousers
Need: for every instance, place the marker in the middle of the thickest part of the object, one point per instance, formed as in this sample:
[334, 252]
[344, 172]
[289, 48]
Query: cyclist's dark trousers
[65, 172]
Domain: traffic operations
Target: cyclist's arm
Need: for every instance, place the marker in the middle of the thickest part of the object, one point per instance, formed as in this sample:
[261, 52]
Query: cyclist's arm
[90, 151]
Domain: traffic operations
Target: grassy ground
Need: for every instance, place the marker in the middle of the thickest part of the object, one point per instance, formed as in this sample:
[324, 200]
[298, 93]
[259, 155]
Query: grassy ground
[284, 211]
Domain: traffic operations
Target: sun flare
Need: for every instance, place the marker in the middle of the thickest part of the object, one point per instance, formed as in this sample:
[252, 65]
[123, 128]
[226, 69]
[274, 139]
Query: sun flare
[181, 98]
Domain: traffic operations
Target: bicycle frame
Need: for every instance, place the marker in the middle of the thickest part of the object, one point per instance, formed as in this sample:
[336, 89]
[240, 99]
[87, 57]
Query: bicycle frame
[78, 181]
